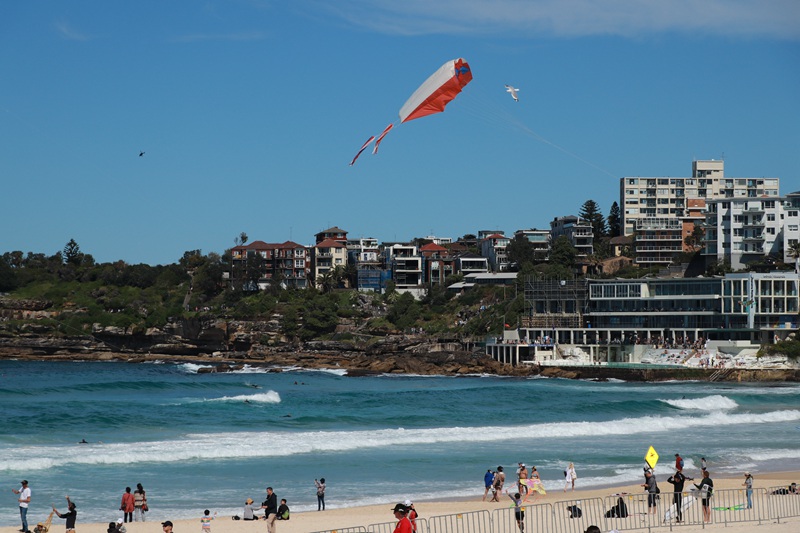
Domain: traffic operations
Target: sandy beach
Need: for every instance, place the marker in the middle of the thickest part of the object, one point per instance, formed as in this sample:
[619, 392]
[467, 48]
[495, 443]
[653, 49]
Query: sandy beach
[347, 517]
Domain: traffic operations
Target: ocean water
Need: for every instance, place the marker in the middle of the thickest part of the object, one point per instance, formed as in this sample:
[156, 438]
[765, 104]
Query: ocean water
[209, 441]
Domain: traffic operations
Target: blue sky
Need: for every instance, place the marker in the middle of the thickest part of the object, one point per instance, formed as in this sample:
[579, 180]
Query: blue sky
[249, 112]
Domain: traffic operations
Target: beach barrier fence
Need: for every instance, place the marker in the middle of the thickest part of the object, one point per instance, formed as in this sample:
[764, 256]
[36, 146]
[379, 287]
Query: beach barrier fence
[729, 506]
[538, 518]
[470, 522]
[621, 512]
[388, 527]
[783, 503]
[357, 529]
[574, 516]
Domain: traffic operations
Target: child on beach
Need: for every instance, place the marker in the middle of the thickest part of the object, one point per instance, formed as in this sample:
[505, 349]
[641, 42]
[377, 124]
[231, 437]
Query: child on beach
[205, 521]
[519, 511]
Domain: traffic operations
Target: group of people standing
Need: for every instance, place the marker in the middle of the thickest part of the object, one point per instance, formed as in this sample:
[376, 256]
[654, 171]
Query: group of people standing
[678, 481]
[274, 512]
[528, 482]
[406, 516]
[134, 505]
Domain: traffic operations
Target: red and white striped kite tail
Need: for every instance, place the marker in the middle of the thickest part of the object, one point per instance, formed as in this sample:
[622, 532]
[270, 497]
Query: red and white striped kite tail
[363, 147]
[380, 138]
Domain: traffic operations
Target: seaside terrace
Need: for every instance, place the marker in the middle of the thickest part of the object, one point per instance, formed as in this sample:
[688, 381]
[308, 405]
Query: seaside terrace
[620, 314]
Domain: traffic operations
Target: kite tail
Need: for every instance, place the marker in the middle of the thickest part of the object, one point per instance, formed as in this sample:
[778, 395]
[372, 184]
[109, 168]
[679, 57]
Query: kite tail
[380, 138]
[363, 147]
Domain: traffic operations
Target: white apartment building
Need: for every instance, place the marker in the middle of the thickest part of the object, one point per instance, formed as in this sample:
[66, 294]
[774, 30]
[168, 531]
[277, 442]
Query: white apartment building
[743, 230]
[791, 226]
[666, 197]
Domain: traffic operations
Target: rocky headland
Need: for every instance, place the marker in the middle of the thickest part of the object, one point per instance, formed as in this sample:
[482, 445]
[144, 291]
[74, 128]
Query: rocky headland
[224, 345]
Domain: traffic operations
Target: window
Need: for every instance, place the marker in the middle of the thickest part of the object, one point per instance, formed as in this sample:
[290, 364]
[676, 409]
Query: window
[771, 217]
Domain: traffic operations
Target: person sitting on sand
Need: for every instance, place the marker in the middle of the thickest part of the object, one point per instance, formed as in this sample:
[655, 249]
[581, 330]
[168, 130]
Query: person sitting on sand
[249, 512]
[283, 510]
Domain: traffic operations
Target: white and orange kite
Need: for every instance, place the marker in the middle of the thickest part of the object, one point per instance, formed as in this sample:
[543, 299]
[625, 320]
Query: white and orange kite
[431, 97]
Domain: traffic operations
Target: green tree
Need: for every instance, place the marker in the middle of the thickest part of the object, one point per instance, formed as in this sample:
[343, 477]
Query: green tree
[794, 251]
[404, 312]
[289, 323]
[326, 281]
[590, 212]
[614, 221]
[8, 276]
[72, 253]
[240, 239]
[319, 316]
[520, 252]
[695, 239]
[563, 253]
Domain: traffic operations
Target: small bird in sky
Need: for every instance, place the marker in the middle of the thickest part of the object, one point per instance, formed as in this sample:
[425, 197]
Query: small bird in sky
[513, 92]
[141, 153]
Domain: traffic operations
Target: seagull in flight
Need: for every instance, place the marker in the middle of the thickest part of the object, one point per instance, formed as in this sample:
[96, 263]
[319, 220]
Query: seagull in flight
[513, 91]
[141, 153]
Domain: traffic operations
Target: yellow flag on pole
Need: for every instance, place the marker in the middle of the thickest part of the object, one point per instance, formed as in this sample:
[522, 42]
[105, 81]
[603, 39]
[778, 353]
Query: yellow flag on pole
[651, 458]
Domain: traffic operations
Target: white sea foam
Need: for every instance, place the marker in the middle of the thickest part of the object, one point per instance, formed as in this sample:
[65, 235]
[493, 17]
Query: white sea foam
[192, 368]
[706, 403]
[771, 455]
[284, 443]
[262, 397]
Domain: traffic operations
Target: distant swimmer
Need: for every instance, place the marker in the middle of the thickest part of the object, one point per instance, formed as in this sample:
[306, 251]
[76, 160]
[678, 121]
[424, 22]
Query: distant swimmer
[141, 153]
[83, 441]
[247, 401]
[287, 416]
[253, 385]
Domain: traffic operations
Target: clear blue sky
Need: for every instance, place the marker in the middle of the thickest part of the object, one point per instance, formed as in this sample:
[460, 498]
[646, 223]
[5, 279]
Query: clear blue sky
[249, 112]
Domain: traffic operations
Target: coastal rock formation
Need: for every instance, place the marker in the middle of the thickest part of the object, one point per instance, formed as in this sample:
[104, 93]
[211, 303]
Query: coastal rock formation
[225, 345]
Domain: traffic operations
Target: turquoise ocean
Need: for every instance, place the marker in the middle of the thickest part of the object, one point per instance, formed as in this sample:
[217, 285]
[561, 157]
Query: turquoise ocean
[209, 441]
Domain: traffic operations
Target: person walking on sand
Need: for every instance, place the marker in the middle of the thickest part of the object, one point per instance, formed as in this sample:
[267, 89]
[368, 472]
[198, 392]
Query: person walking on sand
[748, 485]
[24, 500]
[71, 515]
[205, 521]
[412, 514]
[403, 523]
[651, 487]
[569, 477]
[139, 503]
[497, 486]
[270, 507]
[706, 487]
[677, 480]
[320, 493]
[522, 478]
[488, 481]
